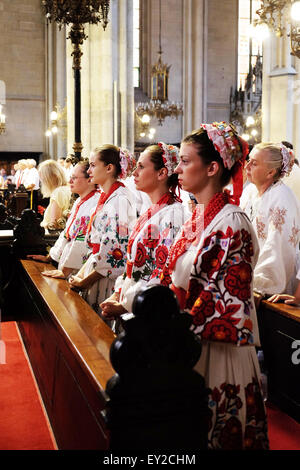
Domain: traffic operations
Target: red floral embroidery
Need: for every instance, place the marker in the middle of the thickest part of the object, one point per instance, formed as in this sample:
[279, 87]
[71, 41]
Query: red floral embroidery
[140, 256]
[203, 307]
[165, 279]
[193, 293]
[161, 256]
[220, 330]
[151, 236]
[235, 241]
[117, 254]
[122, 230]
[246, 237]
[231, 391]
[238, 280]
[254, 401]
[226, 430]
[211, 260]
[231, 436]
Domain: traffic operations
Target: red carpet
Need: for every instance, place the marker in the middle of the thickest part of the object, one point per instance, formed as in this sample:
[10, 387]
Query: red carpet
[23, 422]
[284, 432]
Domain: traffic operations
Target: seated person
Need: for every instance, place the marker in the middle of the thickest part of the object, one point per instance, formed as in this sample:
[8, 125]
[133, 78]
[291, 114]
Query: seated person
[274, 211]
[54, 185]
[70, 248]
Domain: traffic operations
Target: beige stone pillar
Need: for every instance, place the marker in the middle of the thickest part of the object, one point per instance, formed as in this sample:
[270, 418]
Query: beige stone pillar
[209, 60]
[195, 63]
[279, 98]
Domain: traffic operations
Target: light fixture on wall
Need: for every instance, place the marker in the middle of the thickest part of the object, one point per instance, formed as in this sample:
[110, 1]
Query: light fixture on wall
[76, 13]
[2, 121]
[142, 124]
[58, 122]
[282, 17]
[159, 107]
[252, 129]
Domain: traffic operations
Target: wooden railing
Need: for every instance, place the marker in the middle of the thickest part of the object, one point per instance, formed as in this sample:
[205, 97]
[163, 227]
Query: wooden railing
[68, 346]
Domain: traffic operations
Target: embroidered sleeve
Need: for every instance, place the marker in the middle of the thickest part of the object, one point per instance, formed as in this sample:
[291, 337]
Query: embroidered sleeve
[275, 266]
[56, 250]
[219, 295]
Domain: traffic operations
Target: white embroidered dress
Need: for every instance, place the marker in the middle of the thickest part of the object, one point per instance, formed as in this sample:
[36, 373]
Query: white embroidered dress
[213, 282]
[149, 250]
[70, 248]
[276, 220]
[108, 241]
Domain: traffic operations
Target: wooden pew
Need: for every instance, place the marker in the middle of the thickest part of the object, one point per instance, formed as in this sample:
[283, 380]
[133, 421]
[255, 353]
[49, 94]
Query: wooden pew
[138, 392]
[68, 346]
[279, 326]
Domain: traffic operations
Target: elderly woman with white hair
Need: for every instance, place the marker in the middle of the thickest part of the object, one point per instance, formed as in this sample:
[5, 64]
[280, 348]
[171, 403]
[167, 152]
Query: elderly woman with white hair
[274, 211]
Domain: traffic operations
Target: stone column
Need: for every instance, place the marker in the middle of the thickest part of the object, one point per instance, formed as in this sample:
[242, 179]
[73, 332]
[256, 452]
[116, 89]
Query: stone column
[55, 87]
[195, 63]
[126, 74]
[280, 98]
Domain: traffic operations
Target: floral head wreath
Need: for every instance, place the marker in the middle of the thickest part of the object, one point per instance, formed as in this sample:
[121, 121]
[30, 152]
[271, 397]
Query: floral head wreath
[170, 156]
[127, 163]
[288, 158]
[233, 151]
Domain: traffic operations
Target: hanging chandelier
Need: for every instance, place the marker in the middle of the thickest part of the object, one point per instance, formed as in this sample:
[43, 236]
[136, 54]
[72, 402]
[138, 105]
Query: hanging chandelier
[65, 12]
[282, 17]
[159, 106]
[76, 13]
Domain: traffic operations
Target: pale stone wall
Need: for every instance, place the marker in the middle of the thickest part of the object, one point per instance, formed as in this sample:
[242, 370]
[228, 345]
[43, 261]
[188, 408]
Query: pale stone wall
[200, 41]
[221, 56]
[210, 60]
[281, 93]
[22, 69]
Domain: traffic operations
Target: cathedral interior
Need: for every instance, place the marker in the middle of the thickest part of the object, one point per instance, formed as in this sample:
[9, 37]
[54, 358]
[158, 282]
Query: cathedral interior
[135, 73]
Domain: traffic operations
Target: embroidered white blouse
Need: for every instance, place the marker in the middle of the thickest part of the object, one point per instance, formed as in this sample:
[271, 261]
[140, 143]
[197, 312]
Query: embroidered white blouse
[149, 251]
[213, 279]
[109, 234]
[70, 247]
[276, 220]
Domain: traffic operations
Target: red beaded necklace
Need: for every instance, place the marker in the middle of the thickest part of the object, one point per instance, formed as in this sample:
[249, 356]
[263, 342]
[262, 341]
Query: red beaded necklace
[193, 228]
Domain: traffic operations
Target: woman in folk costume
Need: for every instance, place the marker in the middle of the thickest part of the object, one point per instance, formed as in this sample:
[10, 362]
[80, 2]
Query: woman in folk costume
[210, 268]
[274, 211]
[155, 230]
[70, 248]
[109, 227]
